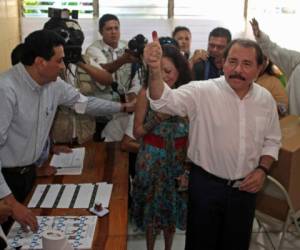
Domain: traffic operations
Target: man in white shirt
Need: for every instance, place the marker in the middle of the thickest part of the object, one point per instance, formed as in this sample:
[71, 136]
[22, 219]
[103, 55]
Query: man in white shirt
[234, 138]
[111, 54]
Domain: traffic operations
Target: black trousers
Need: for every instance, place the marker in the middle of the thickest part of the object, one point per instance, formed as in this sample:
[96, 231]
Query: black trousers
[219, 216]
[20, 186]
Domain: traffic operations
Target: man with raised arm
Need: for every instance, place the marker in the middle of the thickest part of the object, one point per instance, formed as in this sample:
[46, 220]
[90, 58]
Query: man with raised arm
[234, 138]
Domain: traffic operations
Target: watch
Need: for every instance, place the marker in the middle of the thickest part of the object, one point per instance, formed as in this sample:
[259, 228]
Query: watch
[264, 169]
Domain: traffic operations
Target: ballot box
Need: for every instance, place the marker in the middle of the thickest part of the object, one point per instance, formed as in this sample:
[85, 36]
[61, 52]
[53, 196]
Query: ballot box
[286, 170]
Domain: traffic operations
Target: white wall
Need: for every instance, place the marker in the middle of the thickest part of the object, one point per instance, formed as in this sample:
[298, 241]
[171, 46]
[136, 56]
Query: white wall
[283, 30]
[132, 27]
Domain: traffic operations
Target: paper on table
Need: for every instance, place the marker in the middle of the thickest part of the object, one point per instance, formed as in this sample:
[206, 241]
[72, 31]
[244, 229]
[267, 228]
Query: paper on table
[84, 195]
[71, 195]
[69, 163]
[51, 196]
[39, 190]
[66, 196]
[104, 193]
[69, 160]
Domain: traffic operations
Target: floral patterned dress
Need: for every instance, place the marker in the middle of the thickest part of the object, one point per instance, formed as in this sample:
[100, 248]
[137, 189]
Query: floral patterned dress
[156, 201]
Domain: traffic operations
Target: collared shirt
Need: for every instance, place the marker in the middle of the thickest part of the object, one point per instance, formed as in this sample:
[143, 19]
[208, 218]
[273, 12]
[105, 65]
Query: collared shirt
[27, 110]
[289, 62]
[102, 53]
[227, 135]
[206, 69]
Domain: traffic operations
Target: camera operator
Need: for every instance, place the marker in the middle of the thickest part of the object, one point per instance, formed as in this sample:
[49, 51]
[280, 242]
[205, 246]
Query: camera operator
[112, 55]
[30, 93]
[209, 63]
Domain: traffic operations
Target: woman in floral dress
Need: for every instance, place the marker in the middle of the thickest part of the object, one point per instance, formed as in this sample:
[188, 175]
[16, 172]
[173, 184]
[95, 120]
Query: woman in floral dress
[157, 203]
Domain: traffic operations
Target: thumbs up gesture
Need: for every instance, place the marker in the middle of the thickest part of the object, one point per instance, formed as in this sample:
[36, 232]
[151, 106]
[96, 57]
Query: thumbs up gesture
[153, 52]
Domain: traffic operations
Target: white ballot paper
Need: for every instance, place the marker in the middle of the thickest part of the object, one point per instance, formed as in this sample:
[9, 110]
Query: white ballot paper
[69, 163]
[83, 195]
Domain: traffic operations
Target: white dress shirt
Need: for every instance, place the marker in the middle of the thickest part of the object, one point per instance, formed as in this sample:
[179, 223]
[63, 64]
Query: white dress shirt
[227, 135]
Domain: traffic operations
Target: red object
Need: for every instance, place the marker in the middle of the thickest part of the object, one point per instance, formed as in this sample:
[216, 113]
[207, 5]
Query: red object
[154, 35]
[159, 142]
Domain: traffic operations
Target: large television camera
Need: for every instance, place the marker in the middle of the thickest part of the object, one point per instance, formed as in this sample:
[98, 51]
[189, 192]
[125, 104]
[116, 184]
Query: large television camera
[69, 29]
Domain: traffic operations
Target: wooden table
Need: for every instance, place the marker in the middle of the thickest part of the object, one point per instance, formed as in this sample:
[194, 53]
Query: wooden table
[103, 162]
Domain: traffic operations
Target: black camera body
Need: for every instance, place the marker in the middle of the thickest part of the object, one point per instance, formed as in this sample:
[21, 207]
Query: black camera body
[137, 45]
[70, 30]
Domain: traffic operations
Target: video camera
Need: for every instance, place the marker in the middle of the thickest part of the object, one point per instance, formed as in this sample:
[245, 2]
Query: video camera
[69, 29]
[137, 45]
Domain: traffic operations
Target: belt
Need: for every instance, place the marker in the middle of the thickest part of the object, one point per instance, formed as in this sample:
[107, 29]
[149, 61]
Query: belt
[18, 170]
[231, 183]
[159, 142]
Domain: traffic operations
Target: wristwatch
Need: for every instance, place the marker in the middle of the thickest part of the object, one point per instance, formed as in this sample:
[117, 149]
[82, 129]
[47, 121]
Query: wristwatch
[264, 169]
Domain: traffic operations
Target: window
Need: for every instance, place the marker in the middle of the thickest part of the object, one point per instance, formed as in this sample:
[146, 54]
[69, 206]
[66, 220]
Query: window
[208, 9]
[134, 8]
[39, 8]
[275, 18]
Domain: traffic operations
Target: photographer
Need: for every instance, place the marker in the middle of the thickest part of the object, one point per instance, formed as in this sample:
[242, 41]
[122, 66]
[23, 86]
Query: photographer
[112, 55]
[212, 60]
[30, 93]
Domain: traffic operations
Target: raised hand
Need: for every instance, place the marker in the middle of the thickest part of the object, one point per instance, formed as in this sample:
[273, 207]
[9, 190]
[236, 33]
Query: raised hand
[255, 28]
[153, 52]
[199, 54]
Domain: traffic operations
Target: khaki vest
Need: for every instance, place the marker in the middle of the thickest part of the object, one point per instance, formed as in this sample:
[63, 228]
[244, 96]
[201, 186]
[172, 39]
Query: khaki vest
[63, 125]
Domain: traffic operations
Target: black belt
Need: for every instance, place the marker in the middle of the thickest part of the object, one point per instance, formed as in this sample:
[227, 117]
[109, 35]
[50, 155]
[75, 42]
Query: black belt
[18, 170]
[226, 182]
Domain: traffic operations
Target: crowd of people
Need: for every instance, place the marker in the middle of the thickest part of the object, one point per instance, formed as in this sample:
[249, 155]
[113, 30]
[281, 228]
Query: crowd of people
[201, 128]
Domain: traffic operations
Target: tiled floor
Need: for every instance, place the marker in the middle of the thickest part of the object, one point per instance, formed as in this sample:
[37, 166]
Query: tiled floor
[260, 241]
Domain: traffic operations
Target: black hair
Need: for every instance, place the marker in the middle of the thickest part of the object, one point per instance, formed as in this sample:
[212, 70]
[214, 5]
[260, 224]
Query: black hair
[220, 32]
[180, 62]
[17, 54]
[180, 28]
[246, 43]
[105, 18]
[40, 43]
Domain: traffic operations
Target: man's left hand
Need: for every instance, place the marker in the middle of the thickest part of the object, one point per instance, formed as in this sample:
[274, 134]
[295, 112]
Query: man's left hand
[253, 181]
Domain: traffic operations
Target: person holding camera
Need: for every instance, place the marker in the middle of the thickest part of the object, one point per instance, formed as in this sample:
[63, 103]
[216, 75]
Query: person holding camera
[30, 93]
[112, 54]
[210, 66]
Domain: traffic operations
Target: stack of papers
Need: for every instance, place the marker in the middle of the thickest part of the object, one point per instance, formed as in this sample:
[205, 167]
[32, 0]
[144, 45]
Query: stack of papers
[69, 163]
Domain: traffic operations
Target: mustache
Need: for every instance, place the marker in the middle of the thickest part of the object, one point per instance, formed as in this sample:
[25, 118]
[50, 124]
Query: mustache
[237, 76]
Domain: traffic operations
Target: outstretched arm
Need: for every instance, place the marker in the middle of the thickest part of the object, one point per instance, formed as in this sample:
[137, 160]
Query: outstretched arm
[115, 65]
[152, 57]
[100, 75]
